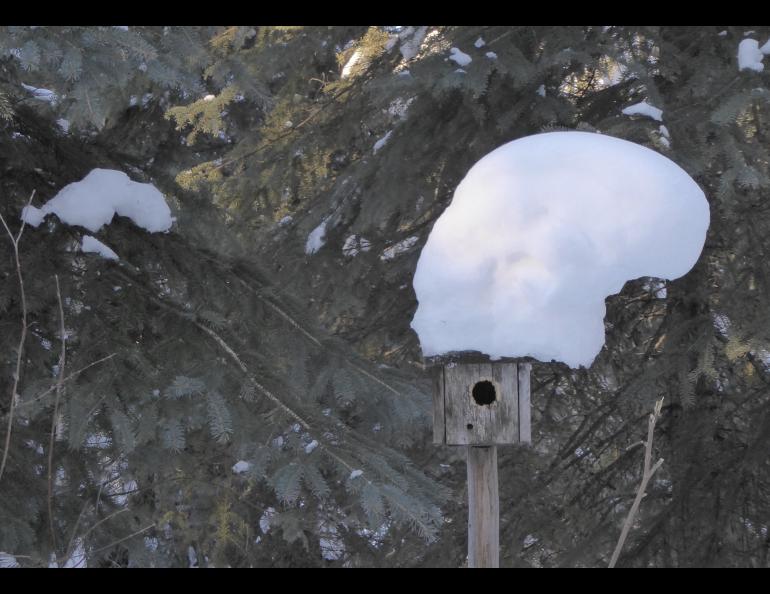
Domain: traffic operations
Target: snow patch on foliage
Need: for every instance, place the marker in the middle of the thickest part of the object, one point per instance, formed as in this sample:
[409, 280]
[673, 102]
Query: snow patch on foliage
[355, 244]
[78, 556]
[315, 241]
[411, 40]
[99, 441]
[540, 232]
[240, 467]
[750, 56]
[94, 246]
[479, 43]
[721, 324]
[103, 193]
[41, 94]
[331, 545]
[399, 248]
[398, 107]
[32, 216]
[461, 58]
[644, 109]
[348, 68]
[381, 142]
[264, 520]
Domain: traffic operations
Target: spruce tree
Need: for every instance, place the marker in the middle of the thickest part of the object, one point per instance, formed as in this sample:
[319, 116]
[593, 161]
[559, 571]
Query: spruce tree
[260, 354]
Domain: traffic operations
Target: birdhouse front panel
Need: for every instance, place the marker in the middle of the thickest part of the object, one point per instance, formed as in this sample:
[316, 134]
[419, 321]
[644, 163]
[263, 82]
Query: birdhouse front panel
[481, 403]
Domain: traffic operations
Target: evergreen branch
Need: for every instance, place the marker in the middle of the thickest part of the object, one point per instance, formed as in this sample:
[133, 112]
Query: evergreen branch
[403, 508]
[359, 81]
[125, 538]
[646, 476]
[270, 396]
[71, 376]
[80, 517]
[59, 384]
[22, 338]
[295, 324]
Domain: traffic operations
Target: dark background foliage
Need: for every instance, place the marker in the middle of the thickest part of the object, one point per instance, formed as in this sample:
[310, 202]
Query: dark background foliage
[232, 343]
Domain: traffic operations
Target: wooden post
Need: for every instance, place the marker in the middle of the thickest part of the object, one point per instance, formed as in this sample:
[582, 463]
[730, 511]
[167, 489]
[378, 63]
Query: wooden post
[481, 404]
[483, 507]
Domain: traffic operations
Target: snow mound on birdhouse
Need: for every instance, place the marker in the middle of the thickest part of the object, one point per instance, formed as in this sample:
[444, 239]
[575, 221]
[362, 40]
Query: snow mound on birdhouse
[539, 233]
[99, 196]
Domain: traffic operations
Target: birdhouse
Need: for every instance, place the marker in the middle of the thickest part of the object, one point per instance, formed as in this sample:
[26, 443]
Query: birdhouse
[481, 403]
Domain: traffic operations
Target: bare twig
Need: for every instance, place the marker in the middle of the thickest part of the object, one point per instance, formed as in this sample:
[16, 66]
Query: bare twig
[312, 338]
[104, 548]
[22, 338]
[59, 386]
[646, 476]
[80, 517]
[71, 376]
[103, 520]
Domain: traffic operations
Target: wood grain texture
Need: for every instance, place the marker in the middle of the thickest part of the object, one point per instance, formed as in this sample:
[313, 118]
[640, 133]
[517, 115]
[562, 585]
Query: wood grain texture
[439, 430]
[525, 404]
[483, 508]
[468, 423]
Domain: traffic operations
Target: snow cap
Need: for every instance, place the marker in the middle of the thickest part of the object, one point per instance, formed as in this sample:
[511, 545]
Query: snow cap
[539, 232]
[99, 196]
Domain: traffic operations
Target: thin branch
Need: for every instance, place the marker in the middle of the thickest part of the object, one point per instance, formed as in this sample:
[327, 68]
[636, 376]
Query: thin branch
[103, 520]
[275, 400]
[22, 338]
[54, 417]
[71, 376]
[99, 550]
[312, 338]
[262, 389]
[68, 550]
[270, 141]
[646, 476]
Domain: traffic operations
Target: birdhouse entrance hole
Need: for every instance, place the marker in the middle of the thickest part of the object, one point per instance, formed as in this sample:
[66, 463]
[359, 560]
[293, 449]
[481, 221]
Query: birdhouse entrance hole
[481, 404]
[484, 393]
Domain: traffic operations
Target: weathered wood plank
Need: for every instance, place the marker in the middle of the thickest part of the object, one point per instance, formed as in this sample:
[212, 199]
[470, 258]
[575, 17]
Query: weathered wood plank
[439, 429]
[470, 423]
[507, 417]
[483, 508]
[525, 404]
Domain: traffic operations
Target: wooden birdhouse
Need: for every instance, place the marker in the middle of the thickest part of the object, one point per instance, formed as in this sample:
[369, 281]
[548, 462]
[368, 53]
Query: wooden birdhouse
[480, 403]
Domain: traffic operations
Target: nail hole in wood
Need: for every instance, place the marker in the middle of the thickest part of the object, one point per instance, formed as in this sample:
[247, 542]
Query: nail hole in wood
[470, 425]
[484, 392]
